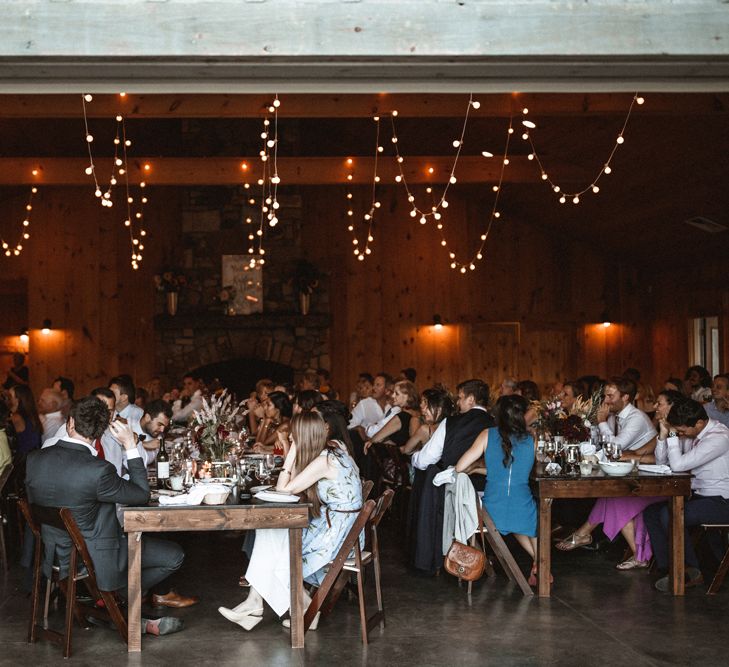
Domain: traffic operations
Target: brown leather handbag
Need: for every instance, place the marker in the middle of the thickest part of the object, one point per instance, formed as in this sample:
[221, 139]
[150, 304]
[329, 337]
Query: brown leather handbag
[464, 562]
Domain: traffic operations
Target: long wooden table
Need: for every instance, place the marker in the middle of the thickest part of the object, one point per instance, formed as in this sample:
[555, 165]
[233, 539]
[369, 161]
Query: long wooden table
[244, 516]
[600, 485]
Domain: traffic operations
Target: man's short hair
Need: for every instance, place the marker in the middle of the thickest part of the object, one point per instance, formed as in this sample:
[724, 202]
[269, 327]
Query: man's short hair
[126, 386]
[367, 377]
[158, 407]
[194, 376]
[624, 386]
[102, 391]
[409, 374]
[65, 384]
[389, 382]
[90, 417]
[687, 413]
[476, 388]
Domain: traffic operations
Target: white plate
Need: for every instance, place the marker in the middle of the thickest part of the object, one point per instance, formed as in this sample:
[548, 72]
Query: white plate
[265, 487]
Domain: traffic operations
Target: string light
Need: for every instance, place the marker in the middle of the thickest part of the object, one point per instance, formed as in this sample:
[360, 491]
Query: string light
[563, 196]
[363, 249]
[470, 265]
[457, 144]
[15, 250]
[137, 242]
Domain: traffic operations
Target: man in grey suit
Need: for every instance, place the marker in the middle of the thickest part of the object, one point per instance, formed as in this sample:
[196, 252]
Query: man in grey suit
[70, 475]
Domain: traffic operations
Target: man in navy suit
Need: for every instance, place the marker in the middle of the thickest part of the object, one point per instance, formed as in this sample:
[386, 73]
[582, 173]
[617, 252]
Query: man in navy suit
[71, 475]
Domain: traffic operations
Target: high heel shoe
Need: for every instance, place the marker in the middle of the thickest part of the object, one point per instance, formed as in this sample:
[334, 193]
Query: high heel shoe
[246, 619]
[314, 624]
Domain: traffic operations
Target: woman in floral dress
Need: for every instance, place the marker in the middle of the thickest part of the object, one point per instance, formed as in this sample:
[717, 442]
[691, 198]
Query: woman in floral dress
[326, 476]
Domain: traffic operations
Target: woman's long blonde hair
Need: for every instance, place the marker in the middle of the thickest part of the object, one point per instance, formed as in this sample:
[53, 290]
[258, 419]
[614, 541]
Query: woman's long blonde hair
[310, 434]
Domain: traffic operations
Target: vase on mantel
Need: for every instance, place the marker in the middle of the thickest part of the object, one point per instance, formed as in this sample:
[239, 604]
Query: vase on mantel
[172, 303]
[304, 302]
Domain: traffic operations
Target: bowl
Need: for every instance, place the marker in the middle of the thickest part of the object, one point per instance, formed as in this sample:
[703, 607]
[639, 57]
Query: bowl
[216, 497]
[617, 468]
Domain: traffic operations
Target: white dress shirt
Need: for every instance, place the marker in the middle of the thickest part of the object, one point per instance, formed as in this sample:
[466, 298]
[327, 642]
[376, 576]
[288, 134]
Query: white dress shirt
[147, 455]
[432, 450]
[714, 413]
[50, 422]
[67, 438]
[390, 412]
[180, 414]
[635, 428]
[130, 412]
[706, 456]
[367, 412]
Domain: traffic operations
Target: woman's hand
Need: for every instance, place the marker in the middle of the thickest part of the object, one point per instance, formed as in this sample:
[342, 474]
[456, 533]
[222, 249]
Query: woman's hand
[367, 446]
[663, 429]
[283, 439]
[259, 447]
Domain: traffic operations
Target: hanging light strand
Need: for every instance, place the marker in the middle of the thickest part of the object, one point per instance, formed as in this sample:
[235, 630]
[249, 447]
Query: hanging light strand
[606, 169]
[363, 249]
[104, 196]
[136, 221]
[464, 266]
[24, 229]
[435, 210]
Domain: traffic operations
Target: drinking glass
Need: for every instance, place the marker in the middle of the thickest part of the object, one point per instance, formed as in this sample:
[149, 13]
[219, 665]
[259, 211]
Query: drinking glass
[609, 449]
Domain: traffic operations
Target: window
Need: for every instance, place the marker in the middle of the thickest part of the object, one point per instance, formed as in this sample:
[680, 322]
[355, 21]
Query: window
[704, 343]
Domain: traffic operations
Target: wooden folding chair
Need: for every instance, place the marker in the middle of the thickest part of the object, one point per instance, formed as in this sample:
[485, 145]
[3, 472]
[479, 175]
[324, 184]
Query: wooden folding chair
[501, 551]
[371, 557]
[3, 549]
[724, 565]
[351, 541]
[367, 487]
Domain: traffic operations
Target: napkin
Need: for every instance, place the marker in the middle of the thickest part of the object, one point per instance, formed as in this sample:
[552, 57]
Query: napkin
[448, 476]
[277, 497]
[553, 468]
[196, 495]
[658, 469]
[587, 449]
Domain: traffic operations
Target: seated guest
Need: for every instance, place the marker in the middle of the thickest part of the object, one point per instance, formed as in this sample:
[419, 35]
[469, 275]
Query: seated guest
[508, 386]
[697, 384]
[154, 388]
[324, 473]
[91, 488]
[154, 422]
[309, 381]
[191, 399]
[125, 394]
[66, 387]
[19, 373]
[448, 443]
[571, 391]
[6, 455]
[277, 411]
[142, 397]
[529, 390]
[397, 431]
[255, 404]
[689, 441]
[371, 410]
[49, 410]
[508, 453]
[435, 406]
[325, 383]
[408, 374]
[336, 415]
[636, 435]
[306, 401]
[363, 389]
[718, 407]
[25, 419]
[674, 384]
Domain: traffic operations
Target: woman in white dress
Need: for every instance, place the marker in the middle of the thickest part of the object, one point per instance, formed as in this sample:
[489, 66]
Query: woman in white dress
[324, 473]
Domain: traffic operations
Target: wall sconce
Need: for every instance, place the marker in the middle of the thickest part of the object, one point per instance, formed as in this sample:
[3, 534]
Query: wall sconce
[437, 322]
[24, 338]
[46, 327]
[606, 321]
[607, 324]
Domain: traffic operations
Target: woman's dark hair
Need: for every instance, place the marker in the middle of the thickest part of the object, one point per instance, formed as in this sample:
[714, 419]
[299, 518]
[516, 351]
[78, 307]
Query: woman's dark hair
[529, 390]
[307, 400]
[672, 396]
[440, 403]
[705, 376]
[282, 403]
[578, 388]
[90, 417]
[676, 382]
[686, 413]
[509, 413]
[336, 415]
[26, 406]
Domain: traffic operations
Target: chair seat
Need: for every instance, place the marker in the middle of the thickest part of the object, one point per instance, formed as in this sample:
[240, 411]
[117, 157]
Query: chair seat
[351, 563]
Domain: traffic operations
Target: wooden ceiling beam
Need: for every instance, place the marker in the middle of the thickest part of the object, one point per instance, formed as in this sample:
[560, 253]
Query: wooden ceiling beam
[355, 106]
[292, 170]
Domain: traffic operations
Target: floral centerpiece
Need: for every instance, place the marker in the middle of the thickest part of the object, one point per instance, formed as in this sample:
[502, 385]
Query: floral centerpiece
[213, 425]
[573, 426]
[170, 281]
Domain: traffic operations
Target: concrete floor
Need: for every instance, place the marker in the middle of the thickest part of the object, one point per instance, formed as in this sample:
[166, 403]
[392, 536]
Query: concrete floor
[596, 615]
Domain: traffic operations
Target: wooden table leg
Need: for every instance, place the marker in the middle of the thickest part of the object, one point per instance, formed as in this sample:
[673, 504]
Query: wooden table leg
[134, 590]
[297, 589]
[676, 532]
[544, 547]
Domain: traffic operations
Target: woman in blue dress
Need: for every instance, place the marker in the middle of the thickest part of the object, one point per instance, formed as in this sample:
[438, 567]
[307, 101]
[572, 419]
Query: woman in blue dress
[323, 472]
[508, 451]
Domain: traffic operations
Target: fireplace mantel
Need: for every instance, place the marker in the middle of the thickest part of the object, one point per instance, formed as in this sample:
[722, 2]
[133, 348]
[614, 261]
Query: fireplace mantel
[210, 321]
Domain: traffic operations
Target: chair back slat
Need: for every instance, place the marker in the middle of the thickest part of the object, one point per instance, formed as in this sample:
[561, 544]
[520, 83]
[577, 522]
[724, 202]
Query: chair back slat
[78, 539]
[5, 476]
[29, 518]
[367, 487]
[383, 504]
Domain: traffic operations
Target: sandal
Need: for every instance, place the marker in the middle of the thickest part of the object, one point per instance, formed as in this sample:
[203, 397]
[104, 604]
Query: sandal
[573, 541]
[632, 564]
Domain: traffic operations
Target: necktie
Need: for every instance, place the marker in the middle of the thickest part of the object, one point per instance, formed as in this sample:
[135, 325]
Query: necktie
[99, 449]
[617, 425]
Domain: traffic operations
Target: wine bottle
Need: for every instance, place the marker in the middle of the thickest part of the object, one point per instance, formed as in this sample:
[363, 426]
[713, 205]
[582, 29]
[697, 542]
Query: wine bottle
[163, 465]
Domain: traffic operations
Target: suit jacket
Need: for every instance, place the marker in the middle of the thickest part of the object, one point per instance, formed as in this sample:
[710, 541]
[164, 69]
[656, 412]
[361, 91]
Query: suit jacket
[69, 475]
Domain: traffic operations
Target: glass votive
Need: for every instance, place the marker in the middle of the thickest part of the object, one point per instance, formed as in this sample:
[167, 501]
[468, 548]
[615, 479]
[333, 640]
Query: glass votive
[585, 468]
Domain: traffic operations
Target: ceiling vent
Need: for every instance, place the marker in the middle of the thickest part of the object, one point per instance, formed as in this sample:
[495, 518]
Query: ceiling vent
[706, 225]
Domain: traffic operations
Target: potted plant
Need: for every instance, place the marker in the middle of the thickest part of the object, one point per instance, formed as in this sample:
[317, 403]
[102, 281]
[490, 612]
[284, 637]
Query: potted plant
[305, 279]
[170, 282]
